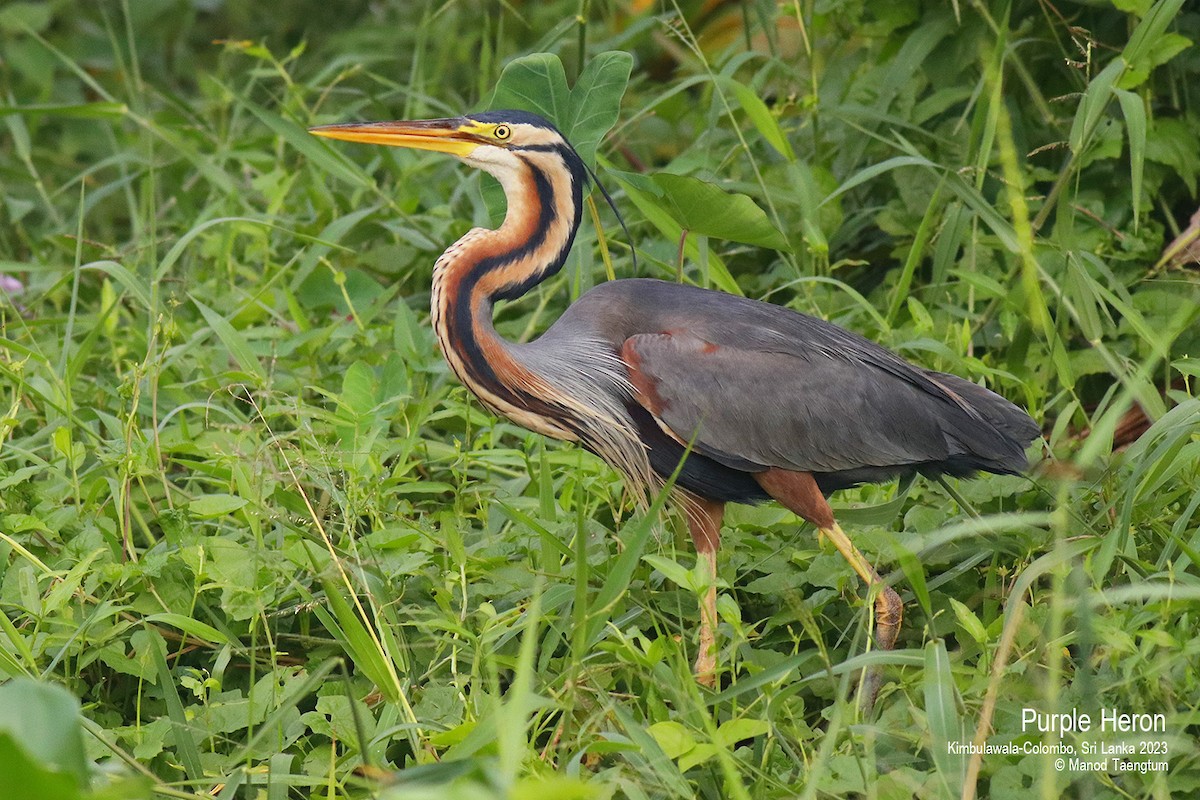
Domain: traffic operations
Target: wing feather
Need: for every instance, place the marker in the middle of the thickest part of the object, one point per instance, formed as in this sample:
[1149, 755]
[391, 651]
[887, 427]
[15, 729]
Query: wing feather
[754, 385]
[752, 410]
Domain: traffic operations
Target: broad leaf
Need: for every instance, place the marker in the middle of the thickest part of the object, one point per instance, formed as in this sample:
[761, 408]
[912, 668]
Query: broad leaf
[705, 209]
[584, 114]
[735, 730]
[37, 781]
[211, 506]
[643, 193]
[44, 719]
[596, 102]
[536, 83]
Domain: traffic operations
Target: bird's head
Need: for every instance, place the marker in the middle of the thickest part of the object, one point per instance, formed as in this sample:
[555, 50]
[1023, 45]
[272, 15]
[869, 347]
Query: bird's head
[495, 141]
[533, 161]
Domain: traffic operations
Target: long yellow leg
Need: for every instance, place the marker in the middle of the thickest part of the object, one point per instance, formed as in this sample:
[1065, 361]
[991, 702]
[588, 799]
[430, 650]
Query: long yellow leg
[798, 491]
[705, 668]
[704, 522]
[889, 609]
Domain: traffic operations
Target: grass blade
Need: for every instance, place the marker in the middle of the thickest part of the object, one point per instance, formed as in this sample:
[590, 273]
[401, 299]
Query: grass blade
[233, 340]
[181, 728]
[941, 714]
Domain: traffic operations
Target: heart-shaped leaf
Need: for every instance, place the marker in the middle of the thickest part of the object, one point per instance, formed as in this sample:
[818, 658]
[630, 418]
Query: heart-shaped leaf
[585, 113]
[536, 83]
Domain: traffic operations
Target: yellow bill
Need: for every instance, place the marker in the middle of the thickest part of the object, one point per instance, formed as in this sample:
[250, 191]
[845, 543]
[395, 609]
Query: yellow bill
[454, 136]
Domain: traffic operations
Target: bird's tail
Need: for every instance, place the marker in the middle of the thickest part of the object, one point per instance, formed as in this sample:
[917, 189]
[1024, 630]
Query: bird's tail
[992, 433]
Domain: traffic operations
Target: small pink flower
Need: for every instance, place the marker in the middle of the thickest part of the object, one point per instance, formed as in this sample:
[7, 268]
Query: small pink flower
[10, 285]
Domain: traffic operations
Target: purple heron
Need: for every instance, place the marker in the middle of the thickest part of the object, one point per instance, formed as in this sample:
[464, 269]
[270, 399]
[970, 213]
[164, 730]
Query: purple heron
[765, 403]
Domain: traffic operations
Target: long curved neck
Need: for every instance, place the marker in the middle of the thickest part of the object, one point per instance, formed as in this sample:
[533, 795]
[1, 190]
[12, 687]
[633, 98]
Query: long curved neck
[544, 197]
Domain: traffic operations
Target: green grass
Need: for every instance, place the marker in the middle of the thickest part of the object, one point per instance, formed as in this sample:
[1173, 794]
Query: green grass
[268, 547]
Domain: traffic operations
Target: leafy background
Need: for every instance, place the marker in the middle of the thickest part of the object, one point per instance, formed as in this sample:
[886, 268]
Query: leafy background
[257, 542]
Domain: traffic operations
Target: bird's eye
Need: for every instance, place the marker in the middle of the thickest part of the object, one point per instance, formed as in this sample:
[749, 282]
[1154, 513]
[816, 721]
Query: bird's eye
[502, 132]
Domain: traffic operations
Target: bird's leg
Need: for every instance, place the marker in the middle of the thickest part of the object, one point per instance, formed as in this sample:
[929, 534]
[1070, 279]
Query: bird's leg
[798, 492]
[704, 522]
[889, 609]
[706, 656]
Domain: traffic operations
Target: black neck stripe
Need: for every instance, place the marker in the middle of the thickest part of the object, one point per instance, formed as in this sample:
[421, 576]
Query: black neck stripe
[461, 319]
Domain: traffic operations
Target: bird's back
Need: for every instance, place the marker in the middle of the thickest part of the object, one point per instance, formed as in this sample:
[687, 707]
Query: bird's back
[755, 385]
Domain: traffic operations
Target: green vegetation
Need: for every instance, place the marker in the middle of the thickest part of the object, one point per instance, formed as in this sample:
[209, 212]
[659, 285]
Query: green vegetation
[249, 519]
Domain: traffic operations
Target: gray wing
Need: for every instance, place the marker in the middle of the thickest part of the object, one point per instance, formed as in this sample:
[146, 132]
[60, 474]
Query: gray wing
[810, 406]
[757, 385]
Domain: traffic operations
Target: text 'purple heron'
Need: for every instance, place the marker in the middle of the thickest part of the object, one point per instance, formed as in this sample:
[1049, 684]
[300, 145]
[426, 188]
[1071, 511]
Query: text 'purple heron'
[775, 405]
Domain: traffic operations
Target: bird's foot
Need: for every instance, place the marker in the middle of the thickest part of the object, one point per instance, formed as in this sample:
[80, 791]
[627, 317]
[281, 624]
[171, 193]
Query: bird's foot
[889, 611]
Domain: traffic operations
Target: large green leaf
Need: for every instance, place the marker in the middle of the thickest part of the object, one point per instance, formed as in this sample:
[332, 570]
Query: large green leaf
[705, 209]
[29, 779]
[596, 102]
[585, 113]
[44, 720]
[656, 213]
[537, 83]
